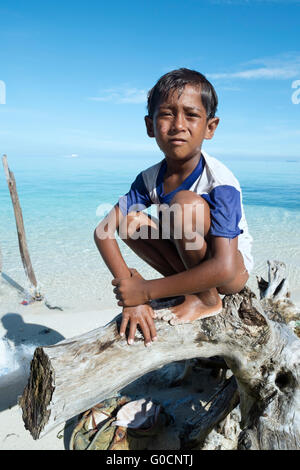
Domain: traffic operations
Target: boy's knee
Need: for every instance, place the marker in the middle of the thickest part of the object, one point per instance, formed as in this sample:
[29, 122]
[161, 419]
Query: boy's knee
[190, 209]
[187, 197]
[134, 222]
[126, 226]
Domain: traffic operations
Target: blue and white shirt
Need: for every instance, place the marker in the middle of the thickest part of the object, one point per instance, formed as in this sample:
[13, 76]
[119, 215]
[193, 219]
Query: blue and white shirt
[212, 180]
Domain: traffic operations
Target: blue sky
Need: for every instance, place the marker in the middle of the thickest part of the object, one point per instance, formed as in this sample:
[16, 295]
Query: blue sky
[77, 73]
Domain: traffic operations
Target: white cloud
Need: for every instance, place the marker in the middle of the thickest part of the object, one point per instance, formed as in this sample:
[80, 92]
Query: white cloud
[262, 72]
[73, 155]
[284, 66]
[122, 95]
[249, 2]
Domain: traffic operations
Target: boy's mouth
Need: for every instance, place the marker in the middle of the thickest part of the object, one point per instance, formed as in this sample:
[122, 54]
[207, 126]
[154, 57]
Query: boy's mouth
[177, 141]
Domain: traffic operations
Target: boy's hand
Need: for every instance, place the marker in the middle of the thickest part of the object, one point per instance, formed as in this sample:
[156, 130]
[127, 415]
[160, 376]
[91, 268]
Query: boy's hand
[132, 291]
[141, 315]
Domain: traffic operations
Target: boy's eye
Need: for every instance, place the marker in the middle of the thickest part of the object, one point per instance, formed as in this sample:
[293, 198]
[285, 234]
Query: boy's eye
[193, 115]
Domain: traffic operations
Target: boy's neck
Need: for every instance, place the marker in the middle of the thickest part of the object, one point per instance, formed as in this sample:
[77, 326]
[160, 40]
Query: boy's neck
[182, 166]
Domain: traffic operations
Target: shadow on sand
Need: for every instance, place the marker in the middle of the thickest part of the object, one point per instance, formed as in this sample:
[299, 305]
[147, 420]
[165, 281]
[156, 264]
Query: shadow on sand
[16, 349]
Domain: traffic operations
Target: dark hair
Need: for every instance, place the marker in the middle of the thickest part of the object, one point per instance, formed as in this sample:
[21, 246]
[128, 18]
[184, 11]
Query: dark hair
[176, 80]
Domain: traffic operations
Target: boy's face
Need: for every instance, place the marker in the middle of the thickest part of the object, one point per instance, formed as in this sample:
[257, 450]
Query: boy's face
[180, 124]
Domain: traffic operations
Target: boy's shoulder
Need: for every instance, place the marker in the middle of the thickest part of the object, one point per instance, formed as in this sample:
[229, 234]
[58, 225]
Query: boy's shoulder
[153, 168]
[218, 172]
[150, 174]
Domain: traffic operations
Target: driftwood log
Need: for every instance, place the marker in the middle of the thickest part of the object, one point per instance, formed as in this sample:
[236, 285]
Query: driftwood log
[75, 374]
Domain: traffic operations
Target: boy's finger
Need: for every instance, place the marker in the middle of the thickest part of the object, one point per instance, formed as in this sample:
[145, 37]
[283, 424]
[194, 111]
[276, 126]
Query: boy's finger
[118, 295]
[120, 303]
[123, 326]
[152, 329]
[132, 331]
[132, 271]
[146, 331]
[115, 282]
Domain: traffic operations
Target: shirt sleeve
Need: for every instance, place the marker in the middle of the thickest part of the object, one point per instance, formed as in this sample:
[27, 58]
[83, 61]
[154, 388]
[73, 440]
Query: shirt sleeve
[137, 199]
[225, 211]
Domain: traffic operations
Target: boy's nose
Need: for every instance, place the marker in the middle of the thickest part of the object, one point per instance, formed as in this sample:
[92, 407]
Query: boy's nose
[178, 123]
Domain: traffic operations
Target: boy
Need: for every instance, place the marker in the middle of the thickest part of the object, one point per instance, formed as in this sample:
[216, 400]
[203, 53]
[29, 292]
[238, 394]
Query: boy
[212, 253]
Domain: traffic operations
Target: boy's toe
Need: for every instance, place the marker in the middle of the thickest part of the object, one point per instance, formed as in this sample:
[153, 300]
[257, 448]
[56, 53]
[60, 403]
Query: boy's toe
[168, 316]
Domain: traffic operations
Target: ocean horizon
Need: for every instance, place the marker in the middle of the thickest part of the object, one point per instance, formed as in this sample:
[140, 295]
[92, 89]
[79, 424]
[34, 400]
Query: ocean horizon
[60, 199]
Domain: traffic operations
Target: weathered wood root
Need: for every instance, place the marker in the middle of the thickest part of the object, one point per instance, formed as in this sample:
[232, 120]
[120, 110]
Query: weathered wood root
[198, 428]
[78, 373]
[276, 287]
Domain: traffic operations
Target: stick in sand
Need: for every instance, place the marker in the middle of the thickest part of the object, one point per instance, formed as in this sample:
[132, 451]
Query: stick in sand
[21, 230]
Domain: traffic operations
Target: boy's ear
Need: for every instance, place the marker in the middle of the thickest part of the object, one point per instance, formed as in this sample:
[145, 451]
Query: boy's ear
[211, 127]
[149, 126]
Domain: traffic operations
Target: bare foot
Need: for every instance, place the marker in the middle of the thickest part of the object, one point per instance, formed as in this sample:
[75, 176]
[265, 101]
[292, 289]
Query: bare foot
[195, 307]
[165, 314]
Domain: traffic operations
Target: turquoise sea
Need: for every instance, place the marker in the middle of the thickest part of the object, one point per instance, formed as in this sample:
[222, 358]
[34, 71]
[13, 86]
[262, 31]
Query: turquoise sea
[60, 199]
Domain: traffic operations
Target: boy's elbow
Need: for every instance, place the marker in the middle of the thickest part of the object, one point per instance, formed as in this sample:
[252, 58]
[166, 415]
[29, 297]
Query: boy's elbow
[95, 235]
[99, 232]
[107, 227]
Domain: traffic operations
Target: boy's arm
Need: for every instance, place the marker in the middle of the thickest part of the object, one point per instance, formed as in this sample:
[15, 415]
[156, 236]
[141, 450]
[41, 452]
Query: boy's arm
[213, 272]
[104, 236]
